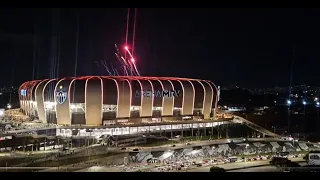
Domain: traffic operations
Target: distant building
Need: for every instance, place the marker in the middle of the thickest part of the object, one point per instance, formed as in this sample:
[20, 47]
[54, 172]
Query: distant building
[236, 109]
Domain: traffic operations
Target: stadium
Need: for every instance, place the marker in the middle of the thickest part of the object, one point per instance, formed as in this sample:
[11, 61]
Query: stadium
[111, 100]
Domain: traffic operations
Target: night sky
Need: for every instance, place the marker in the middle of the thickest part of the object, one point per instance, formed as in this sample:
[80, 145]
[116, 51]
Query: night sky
[243, 47]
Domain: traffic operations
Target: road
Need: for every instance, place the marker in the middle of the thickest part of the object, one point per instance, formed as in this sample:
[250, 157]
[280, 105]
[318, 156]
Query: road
[228, 167]
[99, 169]
[179, 146]
[238, 165]
[259, 169]
[232, 167]
[202, 143]
[183, 145]
[263, 169]
[159, 148]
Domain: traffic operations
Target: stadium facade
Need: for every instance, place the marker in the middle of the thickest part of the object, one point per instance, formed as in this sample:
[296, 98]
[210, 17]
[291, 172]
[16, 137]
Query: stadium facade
[107, 100]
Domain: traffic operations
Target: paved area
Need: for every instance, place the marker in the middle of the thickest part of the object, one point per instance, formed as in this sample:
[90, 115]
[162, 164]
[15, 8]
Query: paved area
[245, 165]
[200, 143]
[258, 169]
[262, 169]
[238, 165]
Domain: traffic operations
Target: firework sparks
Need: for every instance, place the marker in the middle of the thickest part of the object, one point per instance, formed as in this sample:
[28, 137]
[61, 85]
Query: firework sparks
[133, 62]
[127, 67]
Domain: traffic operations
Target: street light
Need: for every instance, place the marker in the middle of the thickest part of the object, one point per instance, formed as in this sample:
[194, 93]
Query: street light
[304, 110]
[212, 152]
[289, 123]
[9, 106]
[245, 160]
[318, 105]
[289, 102]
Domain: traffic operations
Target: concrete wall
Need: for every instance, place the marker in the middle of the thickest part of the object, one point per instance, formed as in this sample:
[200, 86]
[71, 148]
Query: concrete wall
[93, 99]
[188, 97]
[63, 110]
[146, 102]
[167, 102]
[124, 99]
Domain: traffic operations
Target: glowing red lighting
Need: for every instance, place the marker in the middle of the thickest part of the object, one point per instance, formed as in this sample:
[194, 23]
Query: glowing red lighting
[132, 60]
[126, 47]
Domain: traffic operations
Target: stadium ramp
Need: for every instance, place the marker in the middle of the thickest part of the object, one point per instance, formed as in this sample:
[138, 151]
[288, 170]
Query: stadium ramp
[238, 119]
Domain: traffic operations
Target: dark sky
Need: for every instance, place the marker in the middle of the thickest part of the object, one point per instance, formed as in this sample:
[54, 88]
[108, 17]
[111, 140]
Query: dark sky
[244, 47]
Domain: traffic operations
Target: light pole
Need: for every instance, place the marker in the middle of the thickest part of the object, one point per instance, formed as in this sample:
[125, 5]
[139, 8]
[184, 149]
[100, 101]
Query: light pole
[212, 149]
[245, 160]
[318, 105]
[304, 113]
[289, 120]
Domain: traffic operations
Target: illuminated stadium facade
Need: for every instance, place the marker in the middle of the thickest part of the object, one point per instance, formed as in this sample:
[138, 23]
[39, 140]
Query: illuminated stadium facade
[109, 100]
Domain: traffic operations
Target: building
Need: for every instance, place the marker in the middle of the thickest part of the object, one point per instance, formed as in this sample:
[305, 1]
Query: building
[107, 100]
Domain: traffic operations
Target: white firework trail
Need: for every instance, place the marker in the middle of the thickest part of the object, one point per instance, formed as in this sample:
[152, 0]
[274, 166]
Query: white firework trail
[137, 71]
[131, 70]
[110, 74]
[123, 62]
[117, 72]
[129, 66]
[104, 63]
[133, 62]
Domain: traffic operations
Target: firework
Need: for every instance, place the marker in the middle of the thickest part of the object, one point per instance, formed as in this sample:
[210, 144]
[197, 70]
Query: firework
[127, 66]
[132, 61]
